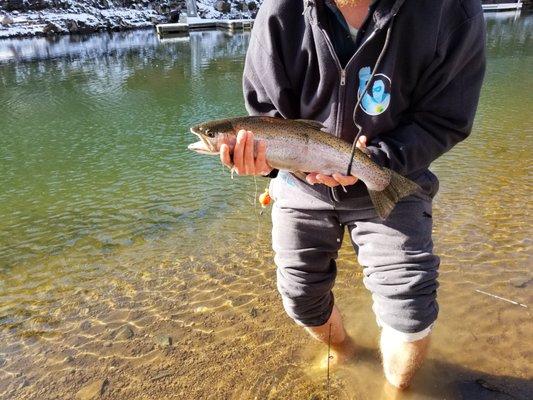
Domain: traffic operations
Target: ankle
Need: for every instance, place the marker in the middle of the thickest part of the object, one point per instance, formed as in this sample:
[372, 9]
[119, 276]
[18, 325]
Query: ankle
[332, 331]
[399, 381]
[342, 343]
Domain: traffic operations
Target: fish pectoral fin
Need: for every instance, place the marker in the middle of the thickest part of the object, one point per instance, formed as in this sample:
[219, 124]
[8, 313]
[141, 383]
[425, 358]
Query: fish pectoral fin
[311, 123]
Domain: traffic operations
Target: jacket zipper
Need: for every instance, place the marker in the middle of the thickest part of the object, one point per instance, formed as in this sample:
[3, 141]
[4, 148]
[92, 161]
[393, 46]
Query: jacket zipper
[342, 88]
[342, 73]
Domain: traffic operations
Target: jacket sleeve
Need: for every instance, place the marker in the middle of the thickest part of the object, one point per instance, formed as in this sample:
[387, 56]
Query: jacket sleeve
[267, 90]
[266, 87]
[444, 103]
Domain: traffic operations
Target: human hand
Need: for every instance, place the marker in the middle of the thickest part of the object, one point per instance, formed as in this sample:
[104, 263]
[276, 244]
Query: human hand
[336, 179]
[244, 162]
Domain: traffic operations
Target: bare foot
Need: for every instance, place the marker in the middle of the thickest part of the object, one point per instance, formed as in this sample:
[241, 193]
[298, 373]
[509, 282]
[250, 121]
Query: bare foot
[391, 392]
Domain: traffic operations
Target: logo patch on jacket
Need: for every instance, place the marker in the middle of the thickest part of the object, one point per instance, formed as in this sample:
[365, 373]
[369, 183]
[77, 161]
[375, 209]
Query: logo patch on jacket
[377, 98]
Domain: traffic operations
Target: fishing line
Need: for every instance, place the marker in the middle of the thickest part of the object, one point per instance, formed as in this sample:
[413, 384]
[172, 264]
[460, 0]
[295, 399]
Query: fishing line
[329, 357]
[255, 192]
[257, 215]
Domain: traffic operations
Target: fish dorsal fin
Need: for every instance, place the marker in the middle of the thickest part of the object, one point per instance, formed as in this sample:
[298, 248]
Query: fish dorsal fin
[311, 123]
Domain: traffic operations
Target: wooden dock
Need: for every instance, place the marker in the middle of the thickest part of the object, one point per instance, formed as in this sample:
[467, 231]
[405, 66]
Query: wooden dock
[195, 23]
[502, 6]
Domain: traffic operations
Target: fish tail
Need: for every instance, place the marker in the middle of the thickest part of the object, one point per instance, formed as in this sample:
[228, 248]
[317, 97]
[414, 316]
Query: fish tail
[399, 187]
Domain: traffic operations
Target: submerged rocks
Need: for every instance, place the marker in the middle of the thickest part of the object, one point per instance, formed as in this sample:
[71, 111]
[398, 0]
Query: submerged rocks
[85, 325]
[520, 282]
[123, 333]
[162, 375]
[163, 340]
[253, 312]
[93, 390]
[68, 359]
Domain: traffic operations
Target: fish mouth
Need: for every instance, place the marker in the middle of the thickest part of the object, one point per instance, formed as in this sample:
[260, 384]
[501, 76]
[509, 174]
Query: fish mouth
[203, 146]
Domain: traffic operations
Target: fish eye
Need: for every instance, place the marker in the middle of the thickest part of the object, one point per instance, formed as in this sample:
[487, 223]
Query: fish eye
[209, 133]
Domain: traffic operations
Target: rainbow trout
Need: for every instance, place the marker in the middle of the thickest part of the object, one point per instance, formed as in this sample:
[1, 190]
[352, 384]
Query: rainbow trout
[302, 146]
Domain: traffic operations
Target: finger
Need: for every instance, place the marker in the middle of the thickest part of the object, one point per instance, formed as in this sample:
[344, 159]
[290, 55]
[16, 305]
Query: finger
[361, 145]
[361, 142]
[238, 152]
[344, 180]
[327, 180]
[225, 156]
[261, 165]
[249, 161]
[311, 178]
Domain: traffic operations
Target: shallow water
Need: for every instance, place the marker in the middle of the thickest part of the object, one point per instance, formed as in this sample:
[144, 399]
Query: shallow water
[106, 220]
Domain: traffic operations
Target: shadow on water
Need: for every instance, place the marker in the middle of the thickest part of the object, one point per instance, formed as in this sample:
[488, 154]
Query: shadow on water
[437, 379]
[461, 383]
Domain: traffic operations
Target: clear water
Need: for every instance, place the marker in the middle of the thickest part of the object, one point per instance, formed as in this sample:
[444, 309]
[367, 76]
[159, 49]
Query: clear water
[106, 220]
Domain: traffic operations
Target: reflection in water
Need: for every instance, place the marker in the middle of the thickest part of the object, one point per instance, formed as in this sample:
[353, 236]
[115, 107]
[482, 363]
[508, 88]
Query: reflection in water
[209, 45]
[508, 34]
[113, 237]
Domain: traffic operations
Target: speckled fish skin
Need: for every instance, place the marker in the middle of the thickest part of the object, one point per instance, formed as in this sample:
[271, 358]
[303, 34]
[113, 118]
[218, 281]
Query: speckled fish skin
[301, 146]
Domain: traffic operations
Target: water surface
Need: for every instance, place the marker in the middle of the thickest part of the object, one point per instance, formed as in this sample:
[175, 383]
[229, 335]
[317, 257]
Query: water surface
[106, 220]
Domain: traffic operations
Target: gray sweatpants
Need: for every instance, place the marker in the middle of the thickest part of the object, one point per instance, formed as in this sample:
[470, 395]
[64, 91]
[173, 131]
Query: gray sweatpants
[400, 268]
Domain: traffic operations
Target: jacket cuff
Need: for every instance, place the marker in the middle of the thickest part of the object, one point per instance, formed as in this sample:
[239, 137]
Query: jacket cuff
[272, 174]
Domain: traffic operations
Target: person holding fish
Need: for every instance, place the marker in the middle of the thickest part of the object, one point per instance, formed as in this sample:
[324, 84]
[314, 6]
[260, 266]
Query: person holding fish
[379, 89]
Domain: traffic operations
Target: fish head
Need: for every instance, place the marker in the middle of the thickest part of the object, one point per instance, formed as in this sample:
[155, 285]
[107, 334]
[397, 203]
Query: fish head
[212, 135]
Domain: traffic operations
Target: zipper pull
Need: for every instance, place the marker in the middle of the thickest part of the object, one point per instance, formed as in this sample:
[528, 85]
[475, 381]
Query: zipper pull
[343, 77]
[307, 7]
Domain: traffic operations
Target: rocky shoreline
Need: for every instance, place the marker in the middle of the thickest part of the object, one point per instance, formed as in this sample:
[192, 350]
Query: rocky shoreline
[23, 18]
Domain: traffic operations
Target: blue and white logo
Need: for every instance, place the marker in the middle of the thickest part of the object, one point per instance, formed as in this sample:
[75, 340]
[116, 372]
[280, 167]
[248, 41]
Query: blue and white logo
[377, 98]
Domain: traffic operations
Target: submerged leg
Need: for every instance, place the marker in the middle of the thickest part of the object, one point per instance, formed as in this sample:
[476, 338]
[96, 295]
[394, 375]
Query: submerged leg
[306, 244]
[342, 346]
[401, 359]
[401, 270]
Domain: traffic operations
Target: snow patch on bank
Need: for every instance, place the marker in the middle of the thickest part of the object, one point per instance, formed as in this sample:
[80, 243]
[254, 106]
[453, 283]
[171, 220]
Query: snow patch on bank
[54, 22]
[81, 17]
